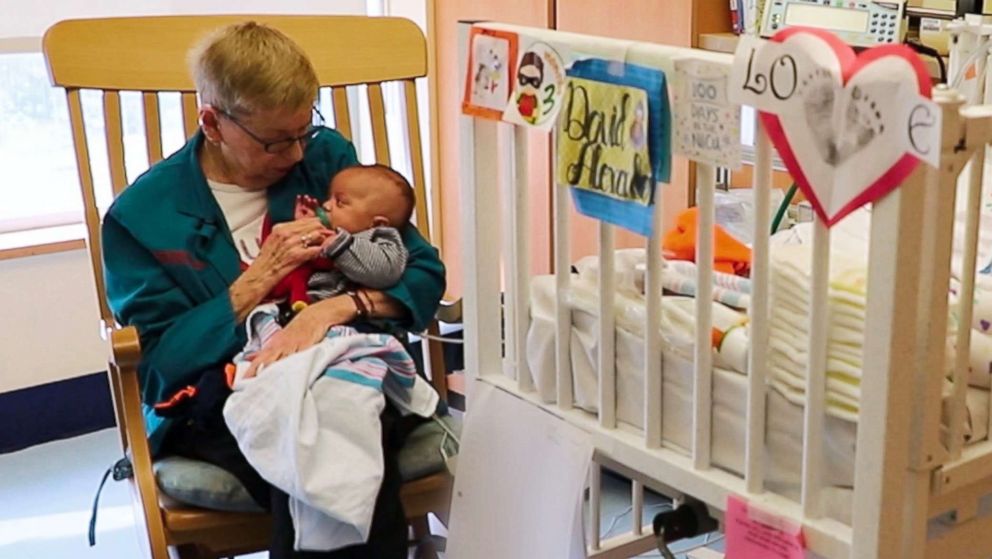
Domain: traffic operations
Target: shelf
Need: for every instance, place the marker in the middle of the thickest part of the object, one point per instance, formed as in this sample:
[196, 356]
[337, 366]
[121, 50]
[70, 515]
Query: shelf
[727, 42]
[718, 42]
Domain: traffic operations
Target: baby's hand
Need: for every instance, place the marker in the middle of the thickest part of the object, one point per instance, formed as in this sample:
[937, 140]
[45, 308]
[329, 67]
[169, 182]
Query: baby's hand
[305, 206]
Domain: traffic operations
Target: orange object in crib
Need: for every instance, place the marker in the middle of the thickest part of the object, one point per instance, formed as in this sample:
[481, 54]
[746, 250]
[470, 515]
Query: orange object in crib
[716, 337]
[730, 256]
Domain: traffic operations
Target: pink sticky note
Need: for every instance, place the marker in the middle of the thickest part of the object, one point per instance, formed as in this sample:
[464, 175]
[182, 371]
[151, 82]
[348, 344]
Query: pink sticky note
[757, 534]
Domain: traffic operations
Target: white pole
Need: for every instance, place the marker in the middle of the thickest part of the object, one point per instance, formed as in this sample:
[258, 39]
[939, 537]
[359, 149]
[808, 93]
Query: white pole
[563, 267]
[520, 260]
[606, 360]
[480, 226]
[652, 331]
[703, 382]
[816, 374]
[754, 471]
[883, 492]
[965, 303]
[637, 504]
[595, 487]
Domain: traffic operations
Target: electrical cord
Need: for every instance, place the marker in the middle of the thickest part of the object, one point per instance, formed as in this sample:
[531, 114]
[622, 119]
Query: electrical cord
[441, 339]
[932, 52]
[676, 553]
[707, 542]
[628, 510]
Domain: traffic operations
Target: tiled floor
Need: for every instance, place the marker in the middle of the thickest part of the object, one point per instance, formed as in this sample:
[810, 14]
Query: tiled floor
[46, 494]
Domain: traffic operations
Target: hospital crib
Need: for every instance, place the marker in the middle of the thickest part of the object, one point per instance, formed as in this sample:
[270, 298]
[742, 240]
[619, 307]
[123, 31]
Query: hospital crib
[916, 493]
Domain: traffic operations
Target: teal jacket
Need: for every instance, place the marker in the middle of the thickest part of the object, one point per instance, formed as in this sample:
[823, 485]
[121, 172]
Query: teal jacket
[169, 260]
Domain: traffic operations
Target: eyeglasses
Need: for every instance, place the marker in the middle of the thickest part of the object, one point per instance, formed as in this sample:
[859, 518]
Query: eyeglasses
[280, 146]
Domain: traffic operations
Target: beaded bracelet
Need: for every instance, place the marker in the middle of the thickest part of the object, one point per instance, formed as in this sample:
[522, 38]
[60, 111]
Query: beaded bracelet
[368, 301]
[360, 308]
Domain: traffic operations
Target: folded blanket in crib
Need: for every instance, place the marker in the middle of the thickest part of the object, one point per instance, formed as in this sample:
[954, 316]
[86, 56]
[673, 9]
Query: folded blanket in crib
[789, 328]
[679, 277]
[849, 241]
[790, 286]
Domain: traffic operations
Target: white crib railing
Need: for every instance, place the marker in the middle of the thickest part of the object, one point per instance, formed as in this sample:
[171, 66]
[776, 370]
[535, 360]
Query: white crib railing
[905, 475]
[754, 471]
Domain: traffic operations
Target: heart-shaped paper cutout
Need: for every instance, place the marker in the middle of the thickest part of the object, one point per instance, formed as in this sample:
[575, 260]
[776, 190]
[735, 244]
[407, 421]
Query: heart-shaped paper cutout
[841, 146]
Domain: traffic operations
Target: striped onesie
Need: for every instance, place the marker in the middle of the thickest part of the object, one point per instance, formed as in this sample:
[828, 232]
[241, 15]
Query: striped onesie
[373, 258]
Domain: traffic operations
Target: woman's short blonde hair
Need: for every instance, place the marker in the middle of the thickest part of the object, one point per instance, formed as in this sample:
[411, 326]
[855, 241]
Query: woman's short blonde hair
[249, 66]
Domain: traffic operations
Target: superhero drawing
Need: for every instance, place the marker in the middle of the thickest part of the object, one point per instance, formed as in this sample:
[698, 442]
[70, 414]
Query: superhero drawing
[530, 75]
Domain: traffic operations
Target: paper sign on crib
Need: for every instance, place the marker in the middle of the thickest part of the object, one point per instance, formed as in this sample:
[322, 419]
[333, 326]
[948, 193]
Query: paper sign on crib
[849, 127]
[491, 59]
[707, 125]
[756, 534]
[603, 144]
[538, 87]
[613, 140]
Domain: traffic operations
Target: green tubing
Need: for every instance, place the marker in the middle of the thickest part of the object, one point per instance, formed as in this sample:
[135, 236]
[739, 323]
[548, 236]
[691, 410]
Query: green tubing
[783, 207]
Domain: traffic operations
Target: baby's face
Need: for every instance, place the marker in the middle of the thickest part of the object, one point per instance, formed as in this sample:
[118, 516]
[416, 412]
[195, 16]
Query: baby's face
[358, 201]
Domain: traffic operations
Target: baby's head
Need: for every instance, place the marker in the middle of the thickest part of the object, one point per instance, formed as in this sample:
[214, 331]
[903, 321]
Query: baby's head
[366, 196]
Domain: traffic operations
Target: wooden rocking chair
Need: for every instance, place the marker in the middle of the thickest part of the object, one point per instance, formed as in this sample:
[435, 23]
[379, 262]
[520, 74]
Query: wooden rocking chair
[148, 55]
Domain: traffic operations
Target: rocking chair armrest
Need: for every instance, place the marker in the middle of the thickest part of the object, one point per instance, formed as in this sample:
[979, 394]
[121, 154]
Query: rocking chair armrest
[450, 312]
[125, 347]
[125, 353]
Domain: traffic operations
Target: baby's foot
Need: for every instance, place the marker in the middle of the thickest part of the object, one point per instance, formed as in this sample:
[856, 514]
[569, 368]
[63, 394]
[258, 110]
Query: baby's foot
[862, 123]
[818, 91]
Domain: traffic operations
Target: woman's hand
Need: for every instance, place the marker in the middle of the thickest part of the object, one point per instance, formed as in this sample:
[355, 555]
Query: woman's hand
[287, 246]
[306, 329]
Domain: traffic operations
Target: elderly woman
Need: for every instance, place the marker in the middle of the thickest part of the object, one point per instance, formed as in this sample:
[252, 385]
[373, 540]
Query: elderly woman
[185, 266]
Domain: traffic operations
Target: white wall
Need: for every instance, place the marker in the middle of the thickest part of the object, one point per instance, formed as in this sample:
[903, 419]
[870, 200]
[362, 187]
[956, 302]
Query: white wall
[49, 328]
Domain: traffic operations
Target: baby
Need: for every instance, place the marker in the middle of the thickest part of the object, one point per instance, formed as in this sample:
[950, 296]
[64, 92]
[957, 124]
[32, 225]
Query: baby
[366, 206]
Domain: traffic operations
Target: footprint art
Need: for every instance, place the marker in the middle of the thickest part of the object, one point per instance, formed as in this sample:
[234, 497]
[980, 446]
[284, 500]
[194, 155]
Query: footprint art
[819, 91]
[862, 124]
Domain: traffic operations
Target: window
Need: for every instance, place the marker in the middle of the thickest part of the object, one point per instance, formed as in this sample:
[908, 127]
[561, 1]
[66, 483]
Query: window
[40, 198]
[749, 139]
[39, 182]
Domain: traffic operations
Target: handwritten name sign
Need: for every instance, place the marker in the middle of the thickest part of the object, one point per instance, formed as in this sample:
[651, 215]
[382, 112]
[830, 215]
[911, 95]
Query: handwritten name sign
[849, 127]
[707, 125]
[602, 144]
[614, 141]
